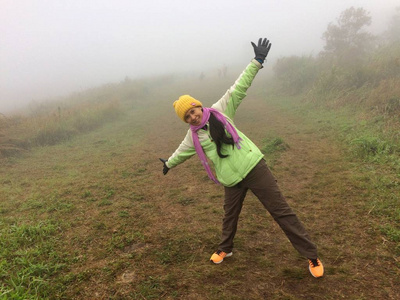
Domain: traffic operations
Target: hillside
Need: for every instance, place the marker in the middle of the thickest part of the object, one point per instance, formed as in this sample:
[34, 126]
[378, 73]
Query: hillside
[92, 216]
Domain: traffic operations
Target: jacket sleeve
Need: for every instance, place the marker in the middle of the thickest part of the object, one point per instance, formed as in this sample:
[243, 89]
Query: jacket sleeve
[185, 151]
[231, 100]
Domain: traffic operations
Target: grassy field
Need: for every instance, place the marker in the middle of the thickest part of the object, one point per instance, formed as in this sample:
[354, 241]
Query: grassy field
[93, 217]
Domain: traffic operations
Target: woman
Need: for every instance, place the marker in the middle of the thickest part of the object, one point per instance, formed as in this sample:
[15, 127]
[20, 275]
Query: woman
[238, 163]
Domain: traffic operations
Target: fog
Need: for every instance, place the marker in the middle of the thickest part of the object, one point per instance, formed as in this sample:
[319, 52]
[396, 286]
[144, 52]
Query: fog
[50, 48]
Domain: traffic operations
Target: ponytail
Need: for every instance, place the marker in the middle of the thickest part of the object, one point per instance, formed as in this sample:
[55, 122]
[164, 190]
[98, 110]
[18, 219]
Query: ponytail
[218, 134]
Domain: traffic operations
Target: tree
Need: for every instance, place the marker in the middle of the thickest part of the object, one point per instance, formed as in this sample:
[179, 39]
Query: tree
[393, 32]
[347, 41]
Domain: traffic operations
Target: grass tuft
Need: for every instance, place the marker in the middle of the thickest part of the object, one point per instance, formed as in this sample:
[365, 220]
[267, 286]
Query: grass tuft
[370, 146]
[272, 148]
[28, 260]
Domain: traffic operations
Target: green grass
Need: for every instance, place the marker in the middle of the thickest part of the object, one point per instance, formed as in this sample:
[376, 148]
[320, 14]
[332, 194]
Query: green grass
[370, 143]
[93, 216]
[29, 260]
[371, 138]
[374, 148]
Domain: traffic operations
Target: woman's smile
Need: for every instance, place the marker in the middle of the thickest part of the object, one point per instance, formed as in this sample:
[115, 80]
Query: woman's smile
[194, 116]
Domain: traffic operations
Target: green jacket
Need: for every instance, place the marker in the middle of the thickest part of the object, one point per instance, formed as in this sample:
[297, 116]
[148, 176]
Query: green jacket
[234, 168]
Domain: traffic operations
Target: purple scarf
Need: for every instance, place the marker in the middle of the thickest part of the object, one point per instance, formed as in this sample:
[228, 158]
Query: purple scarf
[200, 152]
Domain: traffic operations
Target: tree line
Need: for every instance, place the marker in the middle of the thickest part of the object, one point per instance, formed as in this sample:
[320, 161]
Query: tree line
[353, 63]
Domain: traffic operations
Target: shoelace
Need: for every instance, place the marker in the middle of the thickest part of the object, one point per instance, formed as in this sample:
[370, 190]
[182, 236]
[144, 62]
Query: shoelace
[219, 252]
[314, 262]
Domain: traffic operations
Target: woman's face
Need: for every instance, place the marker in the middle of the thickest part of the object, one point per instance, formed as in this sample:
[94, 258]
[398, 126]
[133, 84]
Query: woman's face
[194, 116]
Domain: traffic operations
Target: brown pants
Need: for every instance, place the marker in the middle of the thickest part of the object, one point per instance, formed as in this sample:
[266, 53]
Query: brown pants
[263, 184]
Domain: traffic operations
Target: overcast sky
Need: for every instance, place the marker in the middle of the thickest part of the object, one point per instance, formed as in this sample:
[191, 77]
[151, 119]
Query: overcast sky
[51, 48]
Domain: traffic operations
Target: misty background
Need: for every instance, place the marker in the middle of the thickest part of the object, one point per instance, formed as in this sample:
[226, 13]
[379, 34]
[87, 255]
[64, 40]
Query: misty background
[53, 48]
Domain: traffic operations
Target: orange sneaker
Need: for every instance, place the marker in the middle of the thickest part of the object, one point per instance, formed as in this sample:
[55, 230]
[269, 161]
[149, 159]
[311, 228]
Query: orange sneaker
[316, 268]
[219, 256]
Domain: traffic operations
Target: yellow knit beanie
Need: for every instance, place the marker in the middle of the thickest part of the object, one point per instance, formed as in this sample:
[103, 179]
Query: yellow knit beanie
[183, 104]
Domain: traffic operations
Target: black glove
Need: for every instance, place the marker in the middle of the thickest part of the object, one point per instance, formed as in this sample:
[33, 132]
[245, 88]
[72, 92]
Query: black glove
[165, 169]
[261, 50]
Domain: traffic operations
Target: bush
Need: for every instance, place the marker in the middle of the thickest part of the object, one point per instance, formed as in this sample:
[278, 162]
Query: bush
[385, 98]
[51, 124]
[295, 73]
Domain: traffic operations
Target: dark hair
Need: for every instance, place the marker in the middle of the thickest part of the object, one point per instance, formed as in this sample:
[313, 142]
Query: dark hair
[218, 134]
